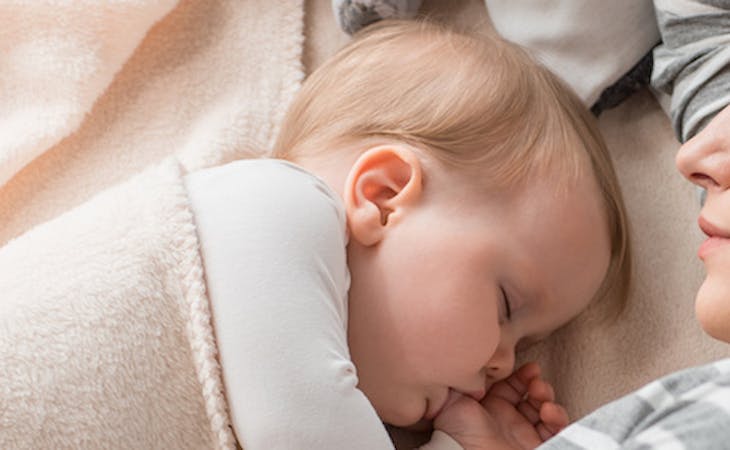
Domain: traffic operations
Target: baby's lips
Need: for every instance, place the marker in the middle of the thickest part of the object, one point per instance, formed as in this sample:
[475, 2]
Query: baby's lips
[451, 399]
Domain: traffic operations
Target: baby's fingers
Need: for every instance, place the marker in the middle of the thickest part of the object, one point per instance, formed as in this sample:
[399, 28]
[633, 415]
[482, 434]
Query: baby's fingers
[540, 391]
[553, 418]
[514, 388]
[539, 409]
[529, 412]
[526, 373]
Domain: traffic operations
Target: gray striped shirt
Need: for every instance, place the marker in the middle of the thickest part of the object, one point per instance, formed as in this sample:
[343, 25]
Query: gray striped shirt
[693, 62]
[689, 409]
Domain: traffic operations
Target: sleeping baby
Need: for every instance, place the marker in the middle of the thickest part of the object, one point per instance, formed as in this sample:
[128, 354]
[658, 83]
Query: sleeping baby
[435, 199]
[408, 235]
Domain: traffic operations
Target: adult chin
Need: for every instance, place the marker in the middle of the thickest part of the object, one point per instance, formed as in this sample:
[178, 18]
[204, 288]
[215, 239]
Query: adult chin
[712, 304]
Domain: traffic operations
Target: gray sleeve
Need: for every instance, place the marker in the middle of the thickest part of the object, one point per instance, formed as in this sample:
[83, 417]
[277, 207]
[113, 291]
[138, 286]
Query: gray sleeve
[352, 15]
[693, 62]
[688, 409]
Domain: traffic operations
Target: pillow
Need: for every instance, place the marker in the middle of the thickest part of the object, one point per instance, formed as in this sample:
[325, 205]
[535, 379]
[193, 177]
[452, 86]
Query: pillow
[590, 44]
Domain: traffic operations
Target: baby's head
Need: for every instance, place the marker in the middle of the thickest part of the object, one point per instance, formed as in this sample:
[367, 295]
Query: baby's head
[482, 206]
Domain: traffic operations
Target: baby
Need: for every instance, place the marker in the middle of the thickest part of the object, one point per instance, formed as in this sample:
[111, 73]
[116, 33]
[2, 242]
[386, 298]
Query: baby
[436, 199]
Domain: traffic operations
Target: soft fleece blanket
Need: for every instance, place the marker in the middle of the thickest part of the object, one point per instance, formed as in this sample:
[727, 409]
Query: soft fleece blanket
[93, 91]
[105, 339]
[105, 330]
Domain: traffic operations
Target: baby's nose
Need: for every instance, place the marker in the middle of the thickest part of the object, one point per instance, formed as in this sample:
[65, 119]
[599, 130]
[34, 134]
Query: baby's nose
[501, 364]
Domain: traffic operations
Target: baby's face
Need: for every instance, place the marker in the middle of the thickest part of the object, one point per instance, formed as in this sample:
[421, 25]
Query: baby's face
[439, 305]
[705, 161]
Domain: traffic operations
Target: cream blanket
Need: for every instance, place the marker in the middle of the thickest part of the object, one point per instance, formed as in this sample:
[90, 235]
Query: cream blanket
[105, 339]
[93, 91]
[105, 328]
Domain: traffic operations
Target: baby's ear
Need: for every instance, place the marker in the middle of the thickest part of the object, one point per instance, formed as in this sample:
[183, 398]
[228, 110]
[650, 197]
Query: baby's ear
[383, 183]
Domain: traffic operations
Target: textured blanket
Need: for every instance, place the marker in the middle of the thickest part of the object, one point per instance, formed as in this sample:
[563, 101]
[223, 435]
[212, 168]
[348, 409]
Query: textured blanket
[105, 339]
[57, 58]
[93, 91]
[105, 331]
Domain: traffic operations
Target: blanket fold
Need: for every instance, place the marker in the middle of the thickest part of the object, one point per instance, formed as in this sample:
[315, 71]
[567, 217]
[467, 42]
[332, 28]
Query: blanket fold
[105, 330]
[206, 80]
[56, 59]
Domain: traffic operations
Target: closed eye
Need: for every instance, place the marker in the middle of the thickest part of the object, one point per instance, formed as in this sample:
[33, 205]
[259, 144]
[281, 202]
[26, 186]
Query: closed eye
[507, 307]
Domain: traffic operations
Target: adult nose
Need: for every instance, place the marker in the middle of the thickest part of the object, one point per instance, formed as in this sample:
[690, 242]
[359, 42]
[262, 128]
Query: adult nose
[502, 363]
[705, 159]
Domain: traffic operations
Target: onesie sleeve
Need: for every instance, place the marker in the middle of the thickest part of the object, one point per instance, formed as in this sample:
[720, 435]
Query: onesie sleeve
[273, 241]
[693, 62]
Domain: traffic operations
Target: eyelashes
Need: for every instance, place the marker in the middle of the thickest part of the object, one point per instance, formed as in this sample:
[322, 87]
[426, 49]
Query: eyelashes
[506, 303]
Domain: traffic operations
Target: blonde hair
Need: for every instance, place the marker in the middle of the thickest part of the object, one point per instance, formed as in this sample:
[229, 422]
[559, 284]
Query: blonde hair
[473, 102]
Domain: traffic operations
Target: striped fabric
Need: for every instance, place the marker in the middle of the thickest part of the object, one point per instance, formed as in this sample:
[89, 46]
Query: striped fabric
[689, 409]
[693, 62]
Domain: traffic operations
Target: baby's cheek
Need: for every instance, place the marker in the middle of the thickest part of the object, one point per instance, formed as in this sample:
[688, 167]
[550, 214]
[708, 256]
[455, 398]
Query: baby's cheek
[483, 347]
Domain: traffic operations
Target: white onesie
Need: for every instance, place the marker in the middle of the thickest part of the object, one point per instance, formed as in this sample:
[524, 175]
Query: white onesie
[273, 240]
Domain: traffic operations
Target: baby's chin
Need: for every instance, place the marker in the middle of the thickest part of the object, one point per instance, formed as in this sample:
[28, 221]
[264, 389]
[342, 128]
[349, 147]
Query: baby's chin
[407, 413]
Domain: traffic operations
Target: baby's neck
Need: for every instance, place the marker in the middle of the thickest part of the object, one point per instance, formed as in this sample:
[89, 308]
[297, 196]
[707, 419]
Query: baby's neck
[332, 167]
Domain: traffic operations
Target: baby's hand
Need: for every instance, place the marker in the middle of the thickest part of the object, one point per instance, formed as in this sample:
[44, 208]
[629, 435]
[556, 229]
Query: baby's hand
[524, 406]
[517, 413]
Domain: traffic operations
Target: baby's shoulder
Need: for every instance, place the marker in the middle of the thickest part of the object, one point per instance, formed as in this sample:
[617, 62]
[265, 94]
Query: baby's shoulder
[267, 194]
[272, 180]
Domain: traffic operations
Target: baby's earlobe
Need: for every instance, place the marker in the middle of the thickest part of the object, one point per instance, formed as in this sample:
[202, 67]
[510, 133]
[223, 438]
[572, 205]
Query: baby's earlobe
[366, 223]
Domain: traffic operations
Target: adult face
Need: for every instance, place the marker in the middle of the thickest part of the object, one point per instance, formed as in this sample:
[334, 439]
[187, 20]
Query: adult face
[705, 161]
